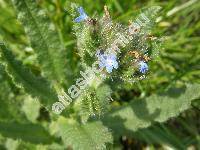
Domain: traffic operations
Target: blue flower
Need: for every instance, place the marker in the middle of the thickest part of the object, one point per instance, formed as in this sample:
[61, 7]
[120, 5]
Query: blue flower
[83, 16]
[143, 67]
[109, 61]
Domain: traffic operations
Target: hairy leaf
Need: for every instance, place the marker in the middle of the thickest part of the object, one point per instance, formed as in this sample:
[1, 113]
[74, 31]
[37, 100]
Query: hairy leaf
[35, 86]
[156, 108]
[44, 38]
[90, 136]
[28, 132]
[8, 110]
[95, 101]
[161, 134]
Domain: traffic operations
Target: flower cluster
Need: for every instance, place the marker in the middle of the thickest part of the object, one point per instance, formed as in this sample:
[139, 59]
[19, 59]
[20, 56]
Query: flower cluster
[108, 60]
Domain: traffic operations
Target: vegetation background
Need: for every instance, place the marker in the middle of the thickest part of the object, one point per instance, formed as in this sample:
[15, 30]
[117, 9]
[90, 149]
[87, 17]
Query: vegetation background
[178, 63]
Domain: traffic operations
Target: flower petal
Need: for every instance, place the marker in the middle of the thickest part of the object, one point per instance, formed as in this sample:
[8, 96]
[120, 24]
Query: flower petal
[81, 10]
[79, 19]
[101, 64]
[109, 69]
[113, 56]
[143, 67]
[83, 16]
[115, 65]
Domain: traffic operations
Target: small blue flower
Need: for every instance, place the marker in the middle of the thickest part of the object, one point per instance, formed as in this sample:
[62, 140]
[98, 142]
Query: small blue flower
[107, 60]
[143, 67]
[83, 16]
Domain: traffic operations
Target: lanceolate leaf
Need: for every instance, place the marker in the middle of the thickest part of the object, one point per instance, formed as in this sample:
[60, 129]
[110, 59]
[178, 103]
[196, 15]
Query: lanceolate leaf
[28, 132]
[8, 111]
[160, 133]
[35, 86]
[90, 136]
[156, 108]
[44, 38]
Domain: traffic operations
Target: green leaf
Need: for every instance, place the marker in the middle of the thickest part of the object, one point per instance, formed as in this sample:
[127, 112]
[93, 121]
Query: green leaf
[11, 144]
[31, 108]
[35, 86]
[9, 102]
[44, 38]
[95, 101]
[9, 110]
[90, 136]
[28, 132]
[161, 134]
[156, 108]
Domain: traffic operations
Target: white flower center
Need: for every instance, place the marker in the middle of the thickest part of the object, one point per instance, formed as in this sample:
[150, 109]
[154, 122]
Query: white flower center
[109, 61]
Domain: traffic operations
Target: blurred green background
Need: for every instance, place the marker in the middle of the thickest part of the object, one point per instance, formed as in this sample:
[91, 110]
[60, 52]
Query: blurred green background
[178, 62]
